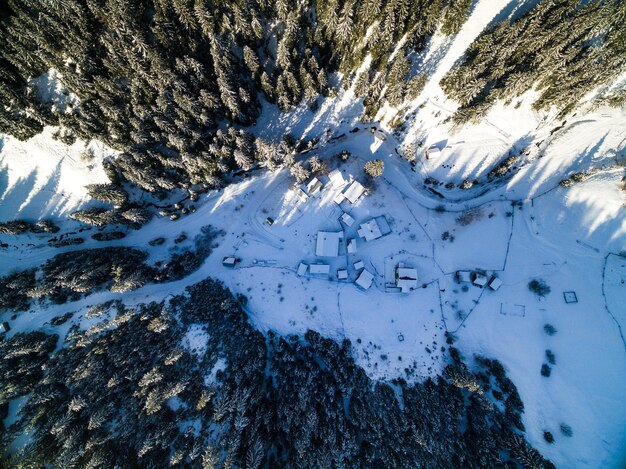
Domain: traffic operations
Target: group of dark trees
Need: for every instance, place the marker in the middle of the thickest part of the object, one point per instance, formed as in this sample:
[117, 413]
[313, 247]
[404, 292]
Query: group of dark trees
[70, 275]
[172, 85]
[128, 393]
[566, 48]
[16, 227]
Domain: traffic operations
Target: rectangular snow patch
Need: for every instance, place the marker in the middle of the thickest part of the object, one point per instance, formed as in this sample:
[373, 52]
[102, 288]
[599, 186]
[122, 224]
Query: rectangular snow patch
[319, 269]
[512, 310]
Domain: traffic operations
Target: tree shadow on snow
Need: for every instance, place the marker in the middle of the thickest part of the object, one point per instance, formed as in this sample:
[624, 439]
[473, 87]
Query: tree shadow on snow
[13, 197]
[47, 200]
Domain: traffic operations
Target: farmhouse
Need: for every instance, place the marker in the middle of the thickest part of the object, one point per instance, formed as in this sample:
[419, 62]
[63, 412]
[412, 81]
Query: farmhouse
[406, 278]
[229, 261]
[433, 152]
[354, 192]
[495, 283]
[319, 269]
[364, 280]
[339, 198]
[374, 229]
[351, 248]
[314, 186]
[480, 280]
[336, 180]
[463, 276]
[302, 268]
[328, 243]
[303, 196]
[347, 219]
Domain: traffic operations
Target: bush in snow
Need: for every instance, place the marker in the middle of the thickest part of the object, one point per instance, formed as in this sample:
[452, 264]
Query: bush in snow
[539, 287]
[16, 227]
[566, 430]
[549, 329]
[299, 172]
[374, 168]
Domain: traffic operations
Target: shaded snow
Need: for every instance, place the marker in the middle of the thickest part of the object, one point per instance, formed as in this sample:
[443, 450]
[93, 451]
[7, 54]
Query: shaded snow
[196, 339]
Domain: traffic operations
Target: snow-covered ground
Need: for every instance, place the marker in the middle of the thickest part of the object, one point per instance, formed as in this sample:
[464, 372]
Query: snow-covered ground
[569, 237]
[44, 178]
[521, 227]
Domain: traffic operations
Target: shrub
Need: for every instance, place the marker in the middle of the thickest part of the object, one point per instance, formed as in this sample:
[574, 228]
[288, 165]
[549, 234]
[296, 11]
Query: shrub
[109, 236]
[539, 287]
[549, 329]
[550, 357]
[468, 217]
[548, 437]
[546, 370]
[502, 168]
[566, 430]
[374, 168]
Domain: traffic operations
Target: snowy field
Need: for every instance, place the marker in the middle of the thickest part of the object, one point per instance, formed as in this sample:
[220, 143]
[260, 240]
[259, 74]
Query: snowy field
[569, 237]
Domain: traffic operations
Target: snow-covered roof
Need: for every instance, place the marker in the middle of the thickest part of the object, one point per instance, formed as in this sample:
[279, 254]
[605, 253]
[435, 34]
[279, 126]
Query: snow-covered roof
[433, 151]
[347, 219]
[365, 279]
[4, 327]
[358, 265]
[370, 230]
[302, 268]
[301, 194]
[336, 179]
[495, 283]
[354, 191]
[229, 261]
[342, 274]
[480, 280]
[339, 198]
[328, 243]
[314, 186]
[464, 275]
[319, 269]
[351, 246]
[406, 278]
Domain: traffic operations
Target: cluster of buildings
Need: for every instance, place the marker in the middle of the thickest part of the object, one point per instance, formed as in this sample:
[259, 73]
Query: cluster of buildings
[350, 191]
[333, 244]
[343, 242]
[478, 278]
